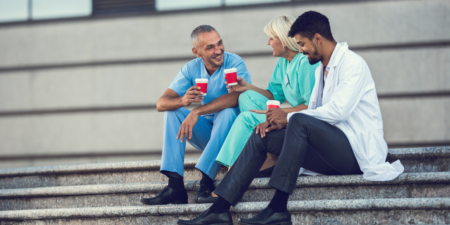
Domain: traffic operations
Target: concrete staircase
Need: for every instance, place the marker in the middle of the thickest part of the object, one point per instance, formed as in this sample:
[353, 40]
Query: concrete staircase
[109, 193]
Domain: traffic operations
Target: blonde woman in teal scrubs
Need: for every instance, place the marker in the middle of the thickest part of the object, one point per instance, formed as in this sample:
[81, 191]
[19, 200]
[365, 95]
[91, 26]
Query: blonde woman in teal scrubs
[292, 81]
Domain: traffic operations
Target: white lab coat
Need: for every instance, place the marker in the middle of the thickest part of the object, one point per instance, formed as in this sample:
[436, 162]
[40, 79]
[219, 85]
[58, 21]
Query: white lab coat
[350, 103]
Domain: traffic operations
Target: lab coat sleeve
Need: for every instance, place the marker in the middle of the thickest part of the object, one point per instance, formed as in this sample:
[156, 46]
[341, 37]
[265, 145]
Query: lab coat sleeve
[346, 95]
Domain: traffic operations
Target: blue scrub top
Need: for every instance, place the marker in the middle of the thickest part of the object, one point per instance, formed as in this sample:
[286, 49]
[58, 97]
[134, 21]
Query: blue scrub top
[216, 82]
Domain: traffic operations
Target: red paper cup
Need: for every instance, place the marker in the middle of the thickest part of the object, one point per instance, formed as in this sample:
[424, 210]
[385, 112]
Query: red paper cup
[231, 75]
[273, 104]
[203, 84]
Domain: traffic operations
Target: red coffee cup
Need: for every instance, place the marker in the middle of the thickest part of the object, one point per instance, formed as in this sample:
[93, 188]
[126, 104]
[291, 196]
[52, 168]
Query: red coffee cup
[231, 75]
[203, 84]
[273, 104]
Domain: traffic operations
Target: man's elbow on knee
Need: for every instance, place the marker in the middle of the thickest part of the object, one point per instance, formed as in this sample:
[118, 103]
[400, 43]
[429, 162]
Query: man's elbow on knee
[159, 107]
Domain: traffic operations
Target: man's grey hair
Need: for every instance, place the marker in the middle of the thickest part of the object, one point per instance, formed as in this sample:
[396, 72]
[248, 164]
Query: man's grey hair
[199, 30]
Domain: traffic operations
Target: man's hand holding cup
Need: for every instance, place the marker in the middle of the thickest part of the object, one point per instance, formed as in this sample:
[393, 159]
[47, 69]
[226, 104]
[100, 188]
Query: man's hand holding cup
[192, 95]
[277, 119]
[275, 116]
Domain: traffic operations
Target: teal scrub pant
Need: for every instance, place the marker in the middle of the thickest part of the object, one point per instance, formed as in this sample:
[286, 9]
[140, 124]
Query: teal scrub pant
[242, 127]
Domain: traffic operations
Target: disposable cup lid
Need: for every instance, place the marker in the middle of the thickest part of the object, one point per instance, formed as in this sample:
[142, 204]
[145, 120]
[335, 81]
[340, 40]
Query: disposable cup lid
[201, 80]
[273, 102]
[232, 70]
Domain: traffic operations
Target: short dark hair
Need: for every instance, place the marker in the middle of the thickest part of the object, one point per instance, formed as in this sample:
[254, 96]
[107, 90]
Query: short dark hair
[310, 23]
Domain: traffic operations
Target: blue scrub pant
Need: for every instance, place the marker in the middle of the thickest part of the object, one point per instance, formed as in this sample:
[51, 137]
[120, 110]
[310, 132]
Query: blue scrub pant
[209, 133]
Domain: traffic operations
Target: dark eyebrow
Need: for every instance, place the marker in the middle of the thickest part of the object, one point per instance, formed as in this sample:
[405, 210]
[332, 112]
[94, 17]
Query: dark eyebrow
[208, 46]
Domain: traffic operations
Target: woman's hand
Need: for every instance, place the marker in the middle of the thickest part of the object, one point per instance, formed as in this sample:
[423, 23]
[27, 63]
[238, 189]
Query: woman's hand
[261, 128]
[258, 111]
[240, 87]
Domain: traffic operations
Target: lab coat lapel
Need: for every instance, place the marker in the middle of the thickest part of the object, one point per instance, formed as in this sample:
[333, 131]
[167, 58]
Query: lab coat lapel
[315, 93]
[332, 74]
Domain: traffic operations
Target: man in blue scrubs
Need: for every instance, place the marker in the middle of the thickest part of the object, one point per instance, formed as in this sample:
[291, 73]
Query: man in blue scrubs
[206, 126]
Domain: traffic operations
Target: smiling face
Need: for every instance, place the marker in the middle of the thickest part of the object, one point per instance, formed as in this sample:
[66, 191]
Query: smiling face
[309, 48]
[210, 48]
[277, 46]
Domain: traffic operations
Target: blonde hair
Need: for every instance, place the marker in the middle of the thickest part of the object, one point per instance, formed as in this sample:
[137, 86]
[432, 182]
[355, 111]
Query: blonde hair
[279, 28]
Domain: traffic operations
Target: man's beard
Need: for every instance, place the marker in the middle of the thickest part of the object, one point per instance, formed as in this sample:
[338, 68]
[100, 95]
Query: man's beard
[314, 57]
[214, 62]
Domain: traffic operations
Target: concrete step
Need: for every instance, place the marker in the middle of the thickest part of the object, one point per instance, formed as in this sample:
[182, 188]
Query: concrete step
[407, 185]
[362, 211]
[436, 159]
[95, 173]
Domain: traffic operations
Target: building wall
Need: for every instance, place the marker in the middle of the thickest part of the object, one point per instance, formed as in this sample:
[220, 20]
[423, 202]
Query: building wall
[85, 90]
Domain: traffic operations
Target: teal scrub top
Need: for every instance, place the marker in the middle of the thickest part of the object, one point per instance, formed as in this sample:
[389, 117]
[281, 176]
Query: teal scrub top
[293, 82]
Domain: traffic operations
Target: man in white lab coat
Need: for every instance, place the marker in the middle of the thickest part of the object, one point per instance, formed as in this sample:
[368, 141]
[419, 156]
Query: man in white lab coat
[341, 132]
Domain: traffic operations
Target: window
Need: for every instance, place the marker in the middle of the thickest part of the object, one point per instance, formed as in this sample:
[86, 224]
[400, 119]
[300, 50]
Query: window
[48, 9]
[21, 10]
[163, 5]
[27, 10]
[13, 10]
[248, 2]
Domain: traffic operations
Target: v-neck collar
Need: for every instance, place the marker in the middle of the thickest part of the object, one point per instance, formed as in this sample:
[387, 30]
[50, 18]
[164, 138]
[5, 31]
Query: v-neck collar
[289, 64]
[205, 73]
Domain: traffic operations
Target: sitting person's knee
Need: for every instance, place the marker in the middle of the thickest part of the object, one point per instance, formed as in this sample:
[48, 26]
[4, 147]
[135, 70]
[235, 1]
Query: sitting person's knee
[245, 96]
[229, 112]
[175, 112]
[300, 118]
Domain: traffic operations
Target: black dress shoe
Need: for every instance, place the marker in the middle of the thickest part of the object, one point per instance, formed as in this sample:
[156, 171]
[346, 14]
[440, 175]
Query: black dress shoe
[204, 194]
[167, 196]
[209, 218]
[269, 217]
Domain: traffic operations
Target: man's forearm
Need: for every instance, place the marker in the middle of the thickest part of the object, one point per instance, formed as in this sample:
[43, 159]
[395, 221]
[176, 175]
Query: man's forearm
[266, 93]
[168, 103]
[230, 100]
[295, 109]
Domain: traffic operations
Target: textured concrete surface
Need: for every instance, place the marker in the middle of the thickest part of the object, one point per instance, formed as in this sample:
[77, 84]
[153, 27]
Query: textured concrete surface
[402, 153]
[415, 160]
[437, 209]
[391, 217]
[96, 178]
[430, 185]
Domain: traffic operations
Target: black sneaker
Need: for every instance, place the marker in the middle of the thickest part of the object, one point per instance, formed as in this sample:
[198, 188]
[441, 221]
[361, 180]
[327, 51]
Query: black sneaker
[167, 196]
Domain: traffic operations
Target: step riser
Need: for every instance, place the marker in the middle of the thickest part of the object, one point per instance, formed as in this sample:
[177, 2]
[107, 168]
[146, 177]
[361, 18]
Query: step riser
[96, 178]
[411, 166]
[307, 218]
[253, 195]
[420, 165]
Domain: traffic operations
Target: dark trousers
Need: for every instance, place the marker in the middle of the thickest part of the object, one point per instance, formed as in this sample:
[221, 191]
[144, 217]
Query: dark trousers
[307, 142]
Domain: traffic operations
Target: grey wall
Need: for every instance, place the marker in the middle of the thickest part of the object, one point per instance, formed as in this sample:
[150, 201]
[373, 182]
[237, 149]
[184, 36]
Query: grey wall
[54, 75]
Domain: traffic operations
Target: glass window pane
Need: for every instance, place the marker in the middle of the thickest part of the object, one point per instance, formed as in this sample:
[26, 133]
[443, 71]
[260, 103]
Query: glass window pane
[13, 10]
[248, 2]
[162, 5]
[47, 9]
